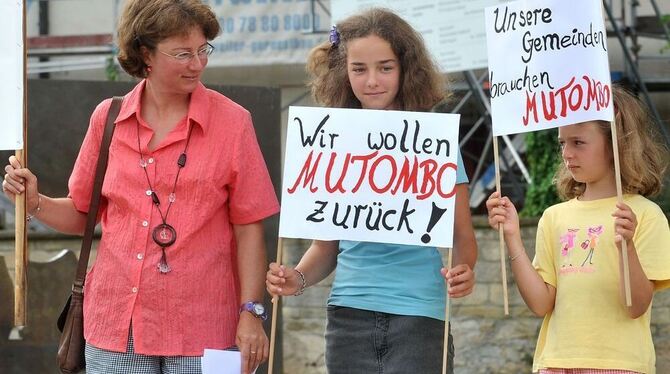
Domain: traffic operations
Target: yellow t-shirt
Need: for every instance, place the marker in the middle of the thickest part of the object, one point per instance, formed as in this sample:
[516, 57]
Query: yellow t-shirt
[575, 252]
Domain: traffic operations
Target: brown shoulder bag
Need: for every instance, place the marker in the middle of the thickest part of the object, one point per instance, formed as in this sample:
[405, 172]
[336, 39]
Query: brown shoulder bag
[71, 320]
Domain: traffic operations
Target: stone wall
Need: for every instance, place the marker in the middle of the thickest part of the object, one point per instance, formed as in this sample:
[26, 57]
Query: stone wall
[486, 340]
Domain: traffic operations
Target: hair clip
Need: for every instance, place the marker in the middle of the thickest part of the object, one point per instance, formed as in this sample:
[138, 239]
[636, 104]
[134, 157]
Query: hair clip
[334, 36]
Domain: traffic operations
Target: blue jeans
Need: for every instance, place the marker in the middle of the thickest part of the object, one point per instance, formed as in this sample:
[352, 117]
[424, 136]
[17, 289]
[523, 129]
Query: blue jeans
[366, 342]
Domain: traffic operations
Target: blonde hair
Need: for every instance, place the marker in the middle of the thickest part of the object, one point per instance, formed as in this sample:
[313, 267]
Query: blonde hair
[421, 84]
[643, 161]
[145, 23]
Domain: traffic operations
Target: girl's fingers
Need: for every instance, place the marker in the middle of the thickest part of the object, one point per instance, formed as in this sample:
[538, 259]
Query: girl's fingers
[276, 269]
[278, 285]
[272, 289]
[492, 203]
[624, 223]
[274, 279]
[460, 290]
[499, 211]
[627, 234]
[496, 220]
[457, 295]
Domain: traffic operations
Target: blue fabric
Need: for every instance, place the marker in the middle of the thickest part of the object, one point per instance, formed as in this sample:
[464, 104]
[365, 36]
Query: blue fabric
[461, 176]
[391, 278]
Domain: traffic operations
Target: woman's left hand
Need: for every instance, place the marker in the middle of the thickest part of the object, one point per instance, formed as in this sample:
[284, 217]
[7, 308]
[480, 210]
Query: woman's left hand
[625, 224]
[252, 342]
[461, 280]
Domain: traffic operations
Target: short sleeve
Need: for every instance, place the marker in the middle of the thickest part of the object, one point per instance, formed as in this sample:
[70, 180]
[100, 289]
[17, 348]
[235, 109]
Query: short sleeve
[252, 196]
[80, 184]
[544, 261]
[652, 242]
[461, 176]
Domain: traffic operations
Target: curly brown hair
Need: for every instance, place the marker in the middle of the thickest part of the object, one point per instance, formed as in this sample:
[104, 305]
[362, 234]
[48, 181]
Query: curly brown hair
[145, 23]
[643, 160]
[421, 84]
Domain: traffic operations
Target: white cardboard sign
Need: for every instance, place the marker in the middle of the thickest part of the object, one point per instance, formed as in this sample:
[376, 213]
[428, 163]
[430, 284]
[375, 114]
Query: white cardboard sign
[548, 64]
[370, 175]
[11, 64]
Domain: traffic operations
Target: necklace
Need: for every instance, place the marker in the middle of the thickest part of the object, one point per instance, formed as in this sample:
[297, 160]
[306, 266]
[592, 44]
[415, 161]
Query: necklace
[164, 234]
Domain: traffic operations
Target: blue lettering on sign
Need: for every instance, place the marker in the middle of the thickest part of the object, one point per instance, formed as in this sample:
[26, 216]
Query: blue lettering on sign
[269, 23]
[229, 46]
[281, 45]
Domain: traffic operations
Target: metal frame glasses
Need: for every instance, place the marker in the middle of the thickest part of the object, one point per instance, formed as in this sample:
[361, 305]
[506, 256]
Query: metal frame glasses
[186, 57]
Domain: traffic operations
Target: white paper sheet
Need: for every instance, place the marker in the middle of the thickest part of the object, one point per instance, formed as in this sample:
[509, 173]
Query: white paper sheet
[215, 361]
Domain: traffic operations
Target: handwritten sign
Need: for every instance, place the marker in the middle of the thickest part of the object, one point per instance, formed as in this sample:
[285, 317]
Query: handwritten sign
[370, 175]
[11, 64]
[548, 64]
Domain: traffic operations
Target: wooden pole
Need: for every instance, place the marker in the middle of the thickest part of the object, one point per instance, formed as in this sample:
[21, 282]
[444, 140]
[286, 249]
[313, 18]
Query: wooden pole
[445, 365]
[619, 193]
[503, 268]
[275, 307]
[20, 232]
[21, 255]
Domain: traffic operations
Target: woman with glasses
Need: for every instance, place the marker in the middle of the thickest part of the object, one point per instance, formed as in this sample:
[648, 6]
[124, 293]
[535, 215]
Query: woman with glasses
[180, 265]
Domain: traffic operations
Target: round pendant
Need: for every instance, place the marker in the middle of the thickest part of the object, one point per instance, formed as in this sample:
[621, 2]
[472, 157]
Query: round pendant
[164, 235]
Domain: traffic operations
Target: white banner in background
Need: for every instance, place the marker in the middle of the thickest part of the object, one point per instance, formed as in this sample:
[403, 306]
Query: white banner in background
[452, 29]
[11, 65]
[265, 32]
[370, 175]
[548, 64]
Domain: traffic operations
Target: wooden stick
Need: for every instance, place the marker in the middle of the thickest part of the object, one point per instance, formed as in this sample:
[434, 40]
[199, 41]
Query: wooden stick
[275, 307]
[619, 193]
[21, 255]
[503, 268]
[20, 232]
[446, 319]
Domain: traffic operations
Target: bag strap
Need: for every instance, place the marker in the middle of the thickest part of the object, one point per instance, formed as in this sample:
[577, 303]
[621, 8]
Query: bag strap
[92, 215]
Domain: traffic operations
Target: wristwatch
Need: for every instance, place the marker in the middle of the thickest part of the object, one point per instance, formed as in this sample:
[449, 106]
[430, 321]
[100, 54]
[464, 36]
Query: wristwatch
[255, 308]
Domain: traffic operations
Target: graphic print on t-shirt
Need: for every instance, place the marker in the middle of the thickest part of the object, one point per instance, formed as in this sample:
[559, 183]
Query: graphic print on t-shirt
[588, 242]
[567, 244]
[594, 233]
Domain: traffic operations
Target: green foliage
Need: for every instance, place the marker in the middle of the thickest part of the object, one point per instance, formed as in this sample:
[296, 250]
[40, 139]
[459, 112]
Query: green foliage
[111, 70]
[665, 19]
[542, 151]
[663, 199]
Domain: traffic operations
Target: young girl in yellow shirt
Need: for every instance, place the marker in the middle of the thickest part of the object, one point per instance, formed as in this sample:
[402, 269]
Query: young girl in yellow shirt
[576, 279]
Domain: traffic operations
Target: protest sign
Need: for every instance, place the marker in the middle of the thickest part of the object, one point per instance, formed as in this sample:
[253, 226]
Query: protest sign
[11, 62]
[370, 175]
[548, 64]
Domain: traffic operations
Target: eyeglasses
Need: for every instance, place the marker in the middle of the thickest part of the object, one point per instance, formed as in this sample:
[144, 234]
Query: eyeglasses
[186, 57]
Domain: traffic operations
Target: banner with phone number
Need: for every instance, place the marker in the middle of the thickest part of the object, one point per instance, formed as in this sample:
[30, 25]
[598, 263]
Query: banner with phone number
[265, 32]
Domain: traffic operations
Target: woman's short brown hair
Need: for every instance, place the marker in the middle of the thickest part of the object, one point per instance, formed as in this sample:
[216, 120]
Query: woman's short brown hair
[145, 23]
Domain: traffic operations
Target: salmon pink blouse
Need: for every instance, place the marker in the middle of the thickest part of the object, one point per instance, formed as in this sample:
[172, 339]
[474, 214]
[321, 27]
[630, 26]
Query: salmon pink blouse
[224, 183]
